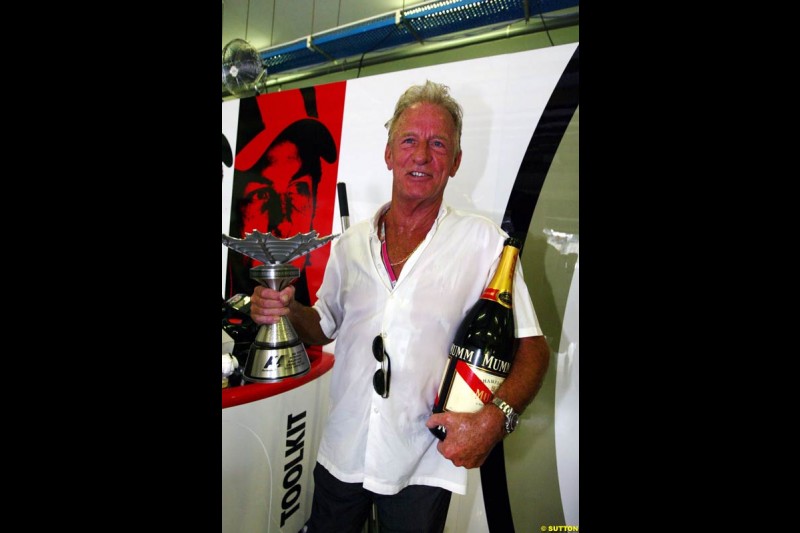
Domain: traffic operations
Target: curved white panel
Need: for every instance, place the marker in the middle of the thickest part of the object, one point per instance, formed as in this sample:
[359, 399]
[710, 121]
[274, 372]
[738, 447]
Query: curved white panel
[566, 409]
[246, 479]
[269, 448]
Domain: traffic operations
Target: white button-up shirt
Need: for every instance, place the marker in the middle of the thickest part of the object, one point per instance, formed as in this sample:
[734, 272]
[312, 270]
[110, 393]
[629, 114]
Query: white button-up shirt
[383, 442]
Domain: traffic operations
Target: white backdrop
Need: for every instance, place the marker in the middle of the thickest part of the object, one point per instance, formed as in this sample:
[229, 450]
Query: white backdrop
[503, 98]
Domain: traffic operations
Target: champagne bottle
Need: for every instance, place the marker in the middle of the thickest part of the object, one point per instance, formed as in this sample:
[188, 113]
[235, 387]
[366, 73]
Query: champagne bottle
[483, 347]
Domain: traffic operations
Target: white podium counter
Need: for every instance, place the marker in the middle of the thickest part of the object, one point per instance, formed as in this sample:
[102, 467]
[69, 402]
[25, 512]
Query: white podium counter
[270, 436]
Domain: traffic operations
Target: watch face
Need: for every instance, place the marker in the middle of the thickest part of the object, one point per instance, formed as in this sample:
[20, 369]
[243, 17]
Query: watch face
[511, 422]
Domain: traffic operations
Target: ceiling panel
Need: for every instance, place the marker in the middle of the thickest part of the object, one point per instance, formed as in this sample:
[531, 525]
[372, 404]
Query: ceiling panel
[290, 38]
[355, 10]
[252, 20]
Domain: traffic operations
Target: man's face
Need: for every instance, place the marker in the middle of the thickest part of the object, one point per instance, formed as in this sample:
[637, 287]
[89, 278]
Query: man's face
[280, 202]
[422, 154]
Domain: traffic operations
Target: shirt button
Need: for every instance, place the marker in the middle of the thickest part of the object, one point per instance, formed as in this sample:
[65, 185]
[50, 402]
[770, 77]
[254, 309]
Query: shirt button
[375, 410]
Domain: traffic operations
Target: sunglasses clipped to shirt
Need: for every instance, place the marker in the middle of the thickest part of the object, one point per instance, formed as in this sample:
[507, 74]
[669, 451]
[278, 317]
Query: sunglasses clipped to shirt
[380, 381]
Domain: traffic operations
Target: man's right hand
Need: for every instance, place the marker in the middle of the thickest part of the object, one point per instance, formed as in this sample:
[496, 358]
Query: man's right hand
[267, 306]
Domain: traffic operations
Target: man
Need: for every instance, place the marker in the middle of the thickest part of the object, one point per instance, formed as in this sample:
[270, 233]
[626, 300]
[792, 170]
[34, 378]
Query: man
[401, 283]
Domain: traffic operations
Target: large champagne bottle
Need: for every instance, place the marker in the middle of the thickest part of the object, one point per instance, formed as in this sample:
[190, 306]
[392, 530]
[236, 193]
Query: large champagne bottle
[483, 348]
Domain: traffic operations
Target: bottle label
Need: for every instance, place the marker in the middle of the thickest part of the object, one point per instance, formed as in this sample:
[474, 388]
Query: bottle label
[471, 388]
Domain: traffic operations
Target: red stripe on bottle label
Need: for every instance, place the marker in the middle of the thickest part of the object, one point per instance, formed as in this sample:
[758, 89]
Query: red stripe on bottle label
[475, 383]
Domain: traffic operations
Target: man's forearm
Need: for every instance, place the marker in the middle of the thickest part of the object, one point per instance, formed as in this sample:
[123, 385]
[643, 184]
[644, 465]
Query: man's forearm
[527, 373]
[306, 322]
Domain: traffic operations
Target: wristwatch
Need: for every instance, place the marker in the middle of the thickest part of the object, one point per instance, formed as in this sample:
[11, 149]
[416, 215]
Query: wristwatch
[512, 418]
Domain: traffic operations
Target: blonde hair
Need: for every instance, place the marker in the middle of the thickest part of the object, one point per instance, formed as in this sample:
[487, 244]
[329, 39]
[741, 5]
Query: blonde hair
[434, 93]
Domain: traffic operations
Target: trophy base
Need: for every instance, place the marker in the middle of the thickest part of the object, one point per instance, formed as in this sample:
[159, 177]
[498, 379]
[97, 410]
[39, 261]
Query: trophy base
[268, 364]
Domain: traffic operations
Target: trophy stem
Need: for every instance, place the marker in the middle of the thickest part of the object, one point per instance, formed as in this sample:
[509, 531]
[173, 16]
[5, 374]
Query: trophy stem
[277, 351]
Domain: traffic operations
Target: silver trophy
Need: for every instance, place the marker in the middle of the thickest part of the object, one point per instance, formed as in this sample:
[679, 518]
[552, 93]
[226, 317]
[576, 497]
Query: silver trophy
[277, 351]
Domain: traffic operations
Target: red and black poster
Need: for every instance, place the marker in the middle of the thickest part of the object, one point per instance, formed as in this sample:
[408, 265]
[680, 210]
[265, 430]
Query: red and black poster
[284, 180]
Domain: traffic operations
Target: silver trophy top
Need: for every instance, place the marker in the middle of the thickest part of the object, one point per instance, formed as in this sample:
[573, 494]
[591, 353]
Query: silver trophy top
[272, 250]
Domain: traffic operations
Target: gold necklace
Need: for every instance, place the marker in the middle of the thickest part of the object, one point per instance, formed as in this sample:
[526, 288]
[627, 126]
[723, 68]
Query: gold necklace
[403, 260]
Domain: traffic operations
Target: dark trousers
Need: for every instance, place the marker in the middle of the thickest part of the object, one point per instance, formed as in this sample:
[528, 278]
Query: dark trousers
[340, 507]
